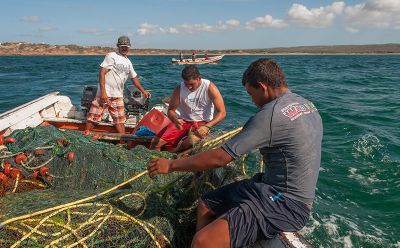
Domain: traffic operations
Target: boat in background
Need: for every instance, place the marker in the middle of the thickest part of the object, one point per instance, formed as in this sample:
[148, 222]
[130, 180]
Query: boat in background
[198, 61]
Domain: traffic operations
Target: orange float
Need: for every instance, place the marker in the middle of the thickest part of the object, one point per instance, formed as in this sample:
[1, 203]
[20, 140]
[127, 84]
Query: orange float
[20, 158]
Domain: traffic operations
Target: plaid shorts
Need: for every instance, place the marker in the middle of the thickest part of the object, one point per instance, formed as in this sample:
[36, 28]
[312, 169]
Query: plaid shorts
[115, 107]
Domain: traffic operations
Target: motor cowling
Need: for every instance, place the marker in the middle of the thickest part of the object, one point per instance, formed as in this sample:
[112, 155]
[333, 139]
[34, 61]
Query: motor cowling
[136, 104]
[88, 95]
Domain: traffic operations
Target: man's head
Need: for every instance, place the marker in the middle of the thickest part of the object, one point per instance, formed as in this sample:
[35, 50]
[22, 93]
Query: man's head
[123, 44]
[191, 76]
[264, 80]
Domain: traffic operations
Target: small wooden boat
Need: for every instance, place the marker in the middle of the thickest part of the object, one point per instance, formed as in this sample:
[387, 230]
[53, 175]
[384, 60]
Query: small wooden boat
[57, 110]
[198, 61]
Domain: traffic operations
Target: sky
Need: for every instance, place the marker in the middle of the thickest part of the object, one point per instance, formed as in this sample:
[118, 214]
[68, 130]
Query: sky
[201, 24]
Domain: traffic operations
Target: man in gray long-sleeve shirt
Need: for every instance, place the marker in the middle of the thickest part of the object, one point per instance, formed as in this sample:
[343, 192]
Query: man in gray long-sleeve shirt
[288, 132]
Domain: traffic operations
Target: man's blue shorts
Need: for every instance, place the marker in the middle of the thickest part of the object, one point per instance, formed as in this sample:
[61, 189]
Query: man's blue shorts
[252, 215]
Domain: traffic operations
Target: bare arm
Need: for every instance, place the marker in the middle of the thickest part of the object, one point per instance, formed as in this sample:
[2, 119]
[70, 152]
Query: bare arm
[102, 82]
[173, 105]
[218, 101]
[138, 85]
[219, 105]
[203, 161]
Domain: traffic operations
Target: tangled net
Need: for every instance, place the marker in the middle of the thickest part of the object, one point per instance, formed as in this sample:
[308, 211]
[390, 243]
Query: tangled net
[64, 189]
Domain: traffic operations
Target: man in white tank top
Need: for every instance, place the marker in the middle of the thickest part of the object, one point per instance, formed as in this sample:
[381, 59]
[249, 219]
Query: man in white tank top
[195, 99]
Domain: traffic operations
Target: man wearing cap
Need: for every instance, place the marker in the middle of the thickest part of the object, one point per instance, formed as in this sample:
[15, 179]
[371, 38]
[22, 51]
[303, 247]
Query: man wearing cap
[114, 71]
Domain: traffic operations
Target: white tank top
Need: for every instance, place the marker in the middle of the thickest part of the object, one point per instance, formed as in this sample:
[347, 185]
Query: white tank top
[196, 105]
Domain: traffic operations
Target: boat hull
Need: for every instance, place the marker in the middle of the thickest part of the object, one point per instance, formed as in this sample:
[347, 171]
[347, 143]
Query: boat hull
[198, 61]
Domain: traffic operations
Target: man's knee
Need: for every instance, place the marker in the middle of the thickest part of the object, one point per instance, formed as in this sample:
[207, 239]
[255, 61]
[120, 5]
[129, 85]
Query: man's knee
[215, 234]
[200, 239]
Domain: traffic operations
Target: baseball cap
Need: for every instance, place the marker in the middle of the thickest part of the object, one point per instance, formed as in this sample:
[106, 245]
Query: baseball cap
[124, 41]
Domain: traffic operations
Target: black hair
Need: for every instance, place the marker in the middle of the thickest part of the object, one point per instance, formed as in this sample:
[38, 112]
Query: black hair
[190, 72]
[265, 71]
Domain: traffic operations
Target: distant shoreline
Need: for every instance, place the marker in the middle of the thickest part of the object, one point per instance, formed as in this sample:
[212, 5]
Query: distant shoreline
[202, 55]
[34, 49]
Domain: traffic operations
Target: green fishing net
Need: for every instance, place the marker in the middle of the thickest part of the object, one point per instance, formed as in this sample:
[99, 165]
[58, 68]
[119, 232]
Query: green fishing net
[72, 190]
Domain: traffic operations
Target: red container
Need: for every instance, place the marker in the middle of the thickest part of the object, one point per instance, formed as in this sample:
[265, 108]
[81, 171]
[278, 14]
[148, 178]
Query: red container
[154, 120]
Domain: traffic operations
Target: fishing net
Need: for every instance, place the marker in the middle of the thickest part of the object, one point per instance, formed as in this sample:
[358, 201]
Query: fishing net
[60, 188]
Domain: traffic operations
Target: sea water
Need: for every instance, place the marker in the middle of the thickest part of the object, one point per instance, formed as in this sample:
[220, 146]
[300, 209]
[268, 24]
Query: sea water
[357, 201]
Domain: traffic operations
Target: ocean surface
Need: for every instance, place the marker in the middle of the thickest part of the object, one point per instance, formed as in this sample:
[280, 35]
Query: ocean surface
[358, 196]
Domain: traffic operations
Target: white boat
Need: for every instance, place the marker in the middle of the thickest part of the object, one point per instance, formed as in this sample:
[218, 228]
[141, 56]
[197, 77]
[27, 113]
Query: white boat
[58, 110]
[198, 61]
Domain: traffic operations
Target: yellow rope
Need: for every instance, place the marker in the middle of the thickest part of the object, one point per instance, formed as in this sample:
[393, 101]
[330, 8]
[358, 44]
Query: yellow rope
[143, 226]
[95, 230]
[210, 184]
[44, 148]
[19, 231]
[103, 217]
[213, 142]
[193, 206]
[114, 216]
[35, 228]
[155, 228]
[244, 165]
[30, 229]
[140, 196]
[225, 135]
[34, 183]
[67, 228]
[88, 222]
[16, 184]
[68, 216]
[41, 222]
[75, 202]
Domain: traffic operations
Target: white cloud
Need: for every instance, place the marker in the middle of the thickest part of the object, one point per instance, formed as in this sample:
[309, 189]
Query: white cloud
[147, 28]
[233, 23]
[377, 13]
[30, 18]
[265, 22]
[316, 17]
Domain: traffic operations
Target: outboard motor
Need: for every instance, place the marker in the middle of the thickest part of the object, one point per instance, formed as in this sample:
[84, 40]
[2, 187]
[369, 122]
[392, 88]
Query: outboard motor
[89, 93]
[136, 104]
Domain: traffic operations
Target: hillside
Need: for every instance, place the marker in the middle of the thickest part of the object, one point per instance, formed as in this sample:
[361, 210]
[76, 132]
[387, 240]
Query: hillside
[25, 48]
